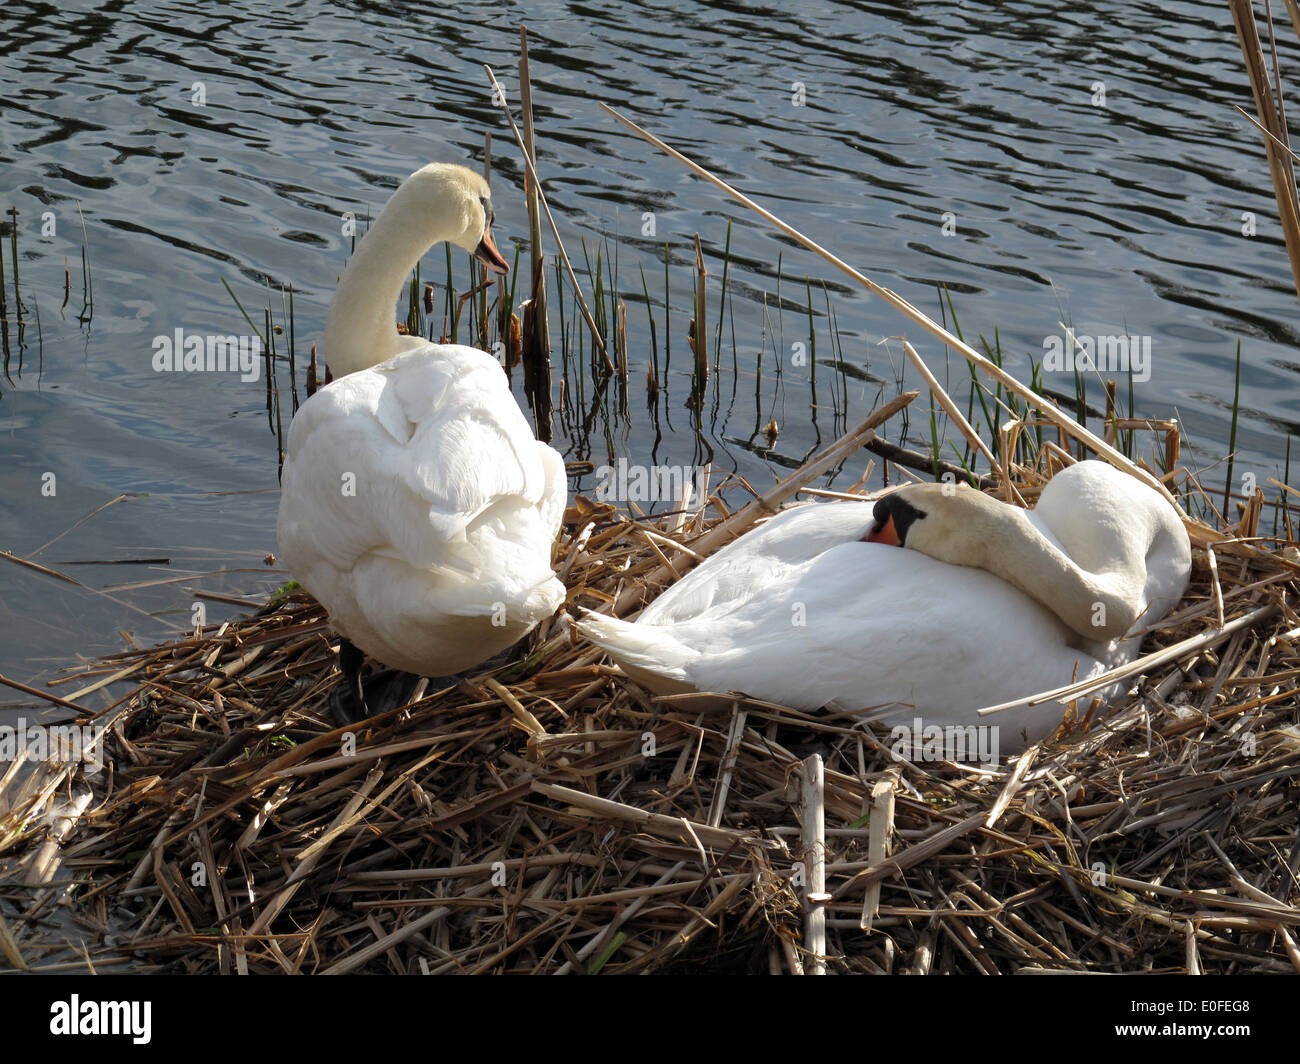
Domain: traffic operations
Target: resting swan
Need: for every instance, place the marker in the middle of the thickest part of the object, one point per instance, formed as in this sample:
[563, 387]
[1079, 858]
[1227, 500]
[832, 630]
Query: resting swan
[415, 503]
[990, 604]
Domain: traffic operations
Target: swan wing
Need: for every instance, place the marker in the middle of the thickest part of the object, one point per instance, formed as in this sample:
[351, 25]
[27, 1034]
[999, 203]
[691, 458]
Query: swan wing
[891, 634]
[414, 494]
[1113, 525]
[408, 456]
[770, 555]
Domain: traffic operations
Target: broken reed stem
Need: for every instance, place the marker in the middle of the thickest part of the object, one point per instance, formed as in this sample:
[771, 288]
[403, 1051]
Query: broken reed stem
[1293, 9]
[1279, 144]
[1142, 664]
[952, 410]
[536, 328]
[656, 823]
[734, 735]
[1214, 583]
[1045, 407]
[700, 342]
[550, 218]
[9, 947]
[923, 463]
[814, 855]
[881, 827]
[45, 696]
[1279, 166]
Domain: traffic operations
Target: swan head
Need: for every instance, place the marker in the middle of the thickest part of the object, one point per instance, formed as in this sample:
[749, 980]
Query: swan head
[950, 522]
[916, 516]
[439, 203]
[458, 205]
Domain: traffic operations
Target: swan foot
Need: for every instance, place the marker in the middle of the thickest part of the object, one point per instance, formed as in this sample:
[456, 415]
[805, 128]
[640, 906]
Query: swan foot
[355, 699]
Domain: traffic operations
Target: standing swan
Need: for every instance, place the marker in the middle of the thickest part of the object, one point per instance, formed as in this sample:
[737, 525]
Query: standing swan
[990, 604]
[415, 503]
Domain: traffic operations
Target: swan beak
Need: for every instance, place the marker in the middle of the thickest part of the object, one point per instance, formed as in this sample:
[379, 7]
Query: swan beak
[885, 533]
[489, 256]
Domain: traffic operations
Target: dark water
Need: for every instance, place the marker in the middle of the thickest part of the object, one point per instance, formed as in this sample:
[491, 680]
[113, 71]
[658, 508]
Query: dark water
[1123, 218]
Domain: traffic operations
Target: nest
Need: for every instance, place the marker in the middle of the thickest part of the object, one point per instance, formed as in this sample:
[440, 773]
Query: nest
[550, 816]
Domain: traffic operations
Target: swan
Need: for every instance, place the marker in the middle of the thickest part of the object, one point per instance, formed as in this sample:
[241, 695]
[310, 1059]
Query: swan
[989, 603]
[415, 503]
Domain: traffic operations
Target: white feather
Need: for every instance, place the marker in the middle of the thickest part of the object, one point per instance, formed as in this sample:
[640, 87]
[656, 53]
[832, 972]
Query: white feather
[415, 503]
[801, 612]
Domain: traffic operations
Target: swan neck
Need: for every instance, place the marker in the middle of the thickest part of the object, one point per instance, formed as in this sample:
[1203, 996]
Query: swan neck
[361, 330]
[1097, 606]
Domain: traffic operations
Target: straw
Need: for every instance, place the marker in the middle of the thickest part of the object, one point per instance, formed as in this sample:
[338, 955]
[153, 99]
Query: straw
[550, 816]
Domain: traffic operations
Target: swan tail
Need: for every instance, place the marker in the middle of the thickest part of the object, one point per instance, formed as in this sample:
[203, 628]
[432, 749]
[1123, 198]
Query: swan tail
[645, 651]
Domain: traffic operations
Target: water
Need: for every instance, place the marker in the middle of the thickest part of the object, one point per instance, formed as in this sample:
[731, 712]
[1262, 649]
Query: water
[1122, 218]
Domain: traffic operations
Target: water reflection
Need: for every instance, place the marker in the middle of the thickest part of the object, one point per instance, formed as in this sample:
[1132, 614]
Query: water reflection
[205, 147]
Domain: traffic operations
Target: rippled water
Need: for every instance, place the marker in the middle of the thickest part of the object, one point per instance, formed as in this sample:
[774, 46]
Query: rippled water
[1125, 217]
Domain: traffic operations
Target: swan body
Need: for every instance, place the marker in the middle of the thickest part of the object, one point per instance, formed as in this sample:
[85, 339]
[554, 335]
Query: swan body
[416, 505]
[805, 612]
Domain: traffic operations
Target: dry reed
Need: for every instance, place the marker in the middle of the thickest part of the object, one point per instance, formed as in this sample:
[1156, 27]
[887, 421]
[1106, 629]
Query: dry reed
[551, 816]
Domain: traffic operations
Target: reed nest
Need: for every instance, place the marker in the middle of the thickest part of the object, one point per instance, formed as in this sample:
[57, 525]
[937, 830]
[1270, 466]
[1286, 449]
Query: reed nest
[550, 816]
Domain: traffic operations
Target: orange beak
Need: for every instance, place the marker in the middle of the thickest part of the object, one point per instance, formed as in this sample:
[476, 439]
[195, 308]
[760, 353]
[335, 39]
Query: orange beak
[884, 534]
[489, 256]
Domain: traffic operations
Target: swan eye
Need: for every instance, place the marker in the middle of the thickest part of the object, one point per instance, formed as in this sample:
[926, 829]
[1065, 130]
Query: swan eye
[488, 213]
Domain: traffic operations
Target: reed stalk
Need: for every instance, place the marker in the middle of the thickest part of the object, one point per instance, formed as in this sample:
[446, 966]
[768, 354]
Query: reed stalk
[1047, 408]
[699, 329]
[1268, 107]
[536, 335]
[555, 232]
